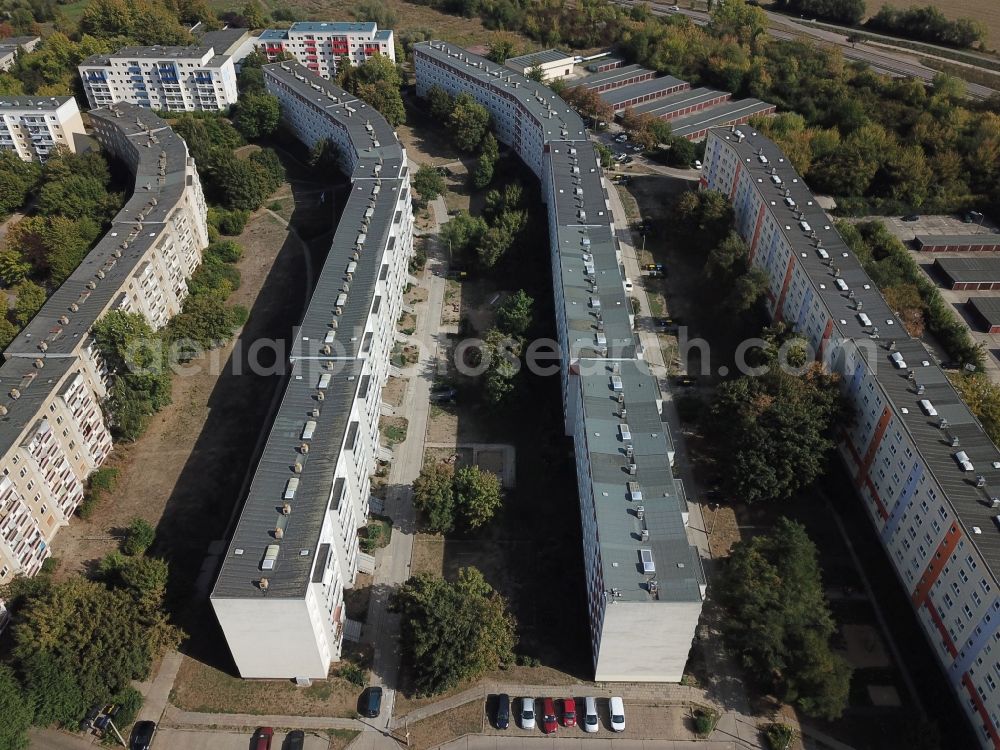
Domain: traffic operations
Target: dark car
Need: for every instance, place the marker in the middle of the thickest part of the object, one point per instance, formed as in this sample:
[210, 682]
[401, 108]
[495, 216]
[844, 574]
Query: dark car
[686, 381]
[142, 735]
[911, 217]
[503, 711]
[262, 738]
[295, 740]
[372, 702]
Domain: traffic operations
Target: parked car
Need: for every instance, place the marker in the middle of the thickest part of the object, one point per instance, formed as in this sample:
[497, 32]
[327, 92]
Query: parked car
[621, 138]
[590, 721]
[527, 713]
[568, 712]
[653, 267]
[667, 325]
[446, 394]
[617, 709]
[628, 160]
[637, 148]
[629, 285]
[911, 217]
[262, 738]
[295, 740]
[686, 381]
[503, 711]
[621, 157]
[697, 163]
[372, 702]
[142, 735]
[549, 723]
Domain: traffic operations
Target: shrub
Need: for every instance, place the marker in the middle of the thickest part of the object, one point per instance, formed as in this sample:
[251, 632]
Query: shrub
[139, 537]
[705, 720]
[353, 674]
[778, 736]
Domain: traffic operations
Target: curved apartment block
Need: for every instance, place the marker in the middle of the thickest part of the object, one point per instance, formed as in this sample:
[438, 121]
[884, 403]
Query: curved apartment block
[52, 430]
[926, 471]
[645, 580]
[279, 593]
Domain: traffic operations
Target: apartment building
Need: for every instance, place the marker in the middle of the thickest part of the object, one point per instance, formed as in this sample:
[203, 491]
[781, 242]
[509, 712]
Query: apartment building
[53, 434]
[922, 464]
[321, 46]
[175, 79]
[280, 590]
[32, 126]
[645, 582]
[12, 46]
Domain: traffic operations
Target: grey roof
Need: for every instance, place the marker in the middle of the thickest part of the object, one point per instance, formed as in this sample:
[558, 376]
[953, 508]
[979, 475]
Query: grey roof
[988, 308]
[559, 121]
[970, 269]
[650, 87]
[370, 210]
[33, 385]
[602, 61]
[666, 106]
[139, 224]
[679, 574]
[615, 76]
[33, 102]
[971, 504]
[17, 41]
[374, 140]
[538, 58]
[718, 116]
[157, 52]
[957, 239]
[224, 41]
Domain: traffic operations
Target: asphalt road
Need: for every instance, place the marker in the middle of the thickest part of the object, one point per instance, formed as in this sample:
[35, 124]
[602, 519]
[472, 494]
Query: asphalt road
[879, 60]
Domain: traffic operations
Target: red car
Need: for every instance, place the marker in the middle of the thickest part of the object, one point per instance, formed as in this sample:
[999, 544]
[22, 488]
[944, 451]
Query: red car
[549, 724]
[568, 712]
[262, 738]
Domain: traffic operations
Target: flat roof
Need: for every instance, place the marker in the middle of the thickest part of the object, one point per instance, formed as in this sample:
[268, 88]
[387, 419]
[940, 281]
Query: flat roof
[988, 308]
[957, 239]
[600, 62]
[649, 87]
[557, 119]
[104, 272]
[970, 269]
[680, 100]
[541, 57]
[970, 504]
[34, 385]
[614, 75]
[718, 116]
[647, 500]
[337, 27]
[366, 221]
[225, 41]
[33, 102]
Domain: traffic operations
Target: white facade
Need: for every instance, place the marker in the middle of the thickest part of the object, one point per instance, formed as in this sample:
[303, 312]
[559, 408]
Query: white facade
[53, 435]
[11, 47]
[553, 64]
[175, 79]
[279, 595]
[322, 46]
[32, 126]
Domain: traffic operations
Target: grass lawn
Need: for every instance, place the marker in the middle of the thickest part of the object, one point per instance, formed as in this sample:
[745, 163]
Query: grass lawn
[394, 429]
[341, 738]
[200, 687]
[448, 725]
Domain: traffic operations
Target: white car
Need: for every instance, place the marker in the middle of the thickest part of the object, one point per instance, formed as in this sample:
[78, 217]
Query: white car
[628, 285]
[527, 713]
[590, 721]
[617, 709]
[621, 137]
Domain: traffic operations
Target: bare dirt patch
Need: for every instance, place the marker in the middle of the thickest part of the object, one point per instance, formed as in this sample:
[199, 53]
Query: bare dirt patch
[457, 457]
[469, 718]
[427, 556]
[451, 310]
[723, 527]
[415, 295]
[206, 689]
[404, 355]
[393, 429]
[442, 424]
[407, 323]
[394, 390]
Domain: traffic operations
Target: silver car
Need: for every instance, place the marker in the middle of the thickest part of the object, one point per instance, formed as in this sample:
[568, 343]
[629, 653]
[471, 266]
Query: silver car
[527, 713]
[590, 721]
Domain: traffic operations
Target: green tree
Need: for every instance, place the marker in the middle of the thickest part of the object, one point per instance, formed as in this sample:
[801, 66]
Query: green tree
[453, 631]
[514, 313]
[501, 48]
[440, 103]
[257, 115]
[780, 623]
[244, 184]
[30, 298]
[775, 431]
[495, 243]
[487, 161]
[740, 20]
[469, 122]
[17, 712]
[13, 267]
[206, 320]
[254, 15]
[535, 73]
[706, 216]
[478, 495]
[8, 332]
[434, 496]
[428, 183]
[462, 233]
[138, 537]
[17, 180]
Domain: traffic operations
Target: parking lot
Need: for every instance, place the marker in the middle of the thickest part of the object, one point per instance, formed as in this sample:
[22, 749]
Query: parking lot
[197, 739]
[932, 225]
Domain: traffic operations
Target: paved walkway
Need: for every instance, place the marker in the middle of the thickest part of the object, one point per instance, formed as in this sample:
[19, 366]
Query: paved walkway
[157, 691]
[494, 742]
[392, 568]
[175, 717]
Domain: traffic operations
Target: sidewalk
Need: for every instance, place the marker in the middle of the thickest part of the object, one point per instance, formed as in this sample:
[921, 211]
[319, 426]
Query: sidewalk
[175, 717]
[382, 628]
[480, 742]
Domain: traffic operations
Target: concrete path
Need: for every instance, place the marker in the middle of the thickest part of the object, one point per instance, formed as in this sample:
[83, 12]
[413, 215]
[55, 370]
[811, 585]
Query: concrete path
[381, 628]
[157, 692]
[175, 717]
[494, 742]
[193, 739]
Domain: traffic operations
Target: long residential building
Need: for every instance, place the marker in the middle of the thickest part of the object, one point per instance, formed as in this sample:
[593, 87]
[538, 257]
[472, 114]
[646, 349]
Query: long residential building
[13, 46]
[53, 433]
[927, 473]
[32, 126]
[645, 582]
[175, 79]
[322, 46]
[279, 596]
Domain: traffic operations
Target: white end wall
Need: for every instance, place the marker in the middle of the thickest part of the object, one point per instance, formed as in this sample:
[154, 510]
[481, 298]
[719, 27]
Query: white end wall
[646, 641]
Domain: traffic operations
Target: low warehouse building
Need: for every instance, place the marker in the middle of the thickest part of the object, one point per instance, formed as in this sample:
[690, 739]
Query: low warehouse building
[605, 64]
[695, 127]
[683, 104]
[622, 98]
[554, 63]
[613, 79]
[972, 274]
[986, 310]
[957, 243]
